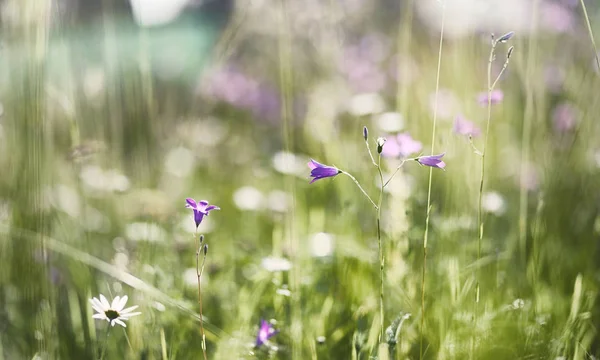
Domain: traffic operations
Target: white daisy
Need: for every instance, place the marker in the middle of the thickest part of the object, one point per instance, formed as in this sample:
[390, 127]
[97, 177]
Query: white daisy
[113, 313]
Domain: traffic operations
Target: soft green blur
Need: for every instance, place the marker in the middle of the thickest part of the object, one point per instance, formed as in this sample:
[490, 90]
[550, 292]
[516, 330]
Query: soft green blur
[101, 142]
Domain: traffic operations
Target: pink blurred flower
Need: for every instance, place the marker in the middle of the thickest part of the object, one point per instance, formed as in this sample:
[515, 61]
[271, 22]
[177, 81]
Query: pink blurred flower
[401, 145]
[496, 97]
[564, 117]
[462, 126]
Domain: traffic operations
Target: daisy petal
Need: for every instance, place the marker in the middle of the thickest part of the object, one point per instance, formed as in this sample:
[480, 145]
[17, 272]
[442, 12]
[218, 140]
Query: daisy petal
[125, 311]
[127, 316]
[120, 323]
[121, 303]
[115, 303]
[104, 302]
[99, 316]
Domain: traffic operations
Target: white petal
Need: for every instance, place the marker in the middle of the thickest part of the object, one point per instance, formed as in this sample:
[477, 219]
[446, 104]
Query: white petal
[127, 316]
[120, 323]
[125, 311]
[122, 303]
[115, 303]
[99, 316]
[96, 305]
[105, 303]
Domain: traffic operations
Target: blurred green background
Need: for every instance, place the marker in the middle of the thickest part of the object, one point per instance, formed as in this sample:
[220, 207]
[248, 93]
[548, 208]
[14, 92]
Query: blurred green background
[114, 112]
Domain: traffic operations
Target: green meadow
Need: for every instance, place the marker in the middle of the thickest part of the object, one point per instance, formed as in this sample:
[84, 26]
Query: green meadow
[107, 127]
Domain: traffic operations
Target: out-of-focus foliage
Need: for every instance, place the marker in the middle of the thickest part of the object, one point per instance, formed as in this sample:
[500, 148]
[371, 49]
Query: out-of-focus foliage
[114, 112]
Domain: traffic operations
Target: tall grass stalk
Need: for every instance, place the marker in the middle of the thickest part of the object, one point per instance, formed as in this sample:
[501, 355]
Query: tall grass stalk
[426, 235]
[284, 45]
[526, 134]
[199, 272]
[381, 253]
[590, 32]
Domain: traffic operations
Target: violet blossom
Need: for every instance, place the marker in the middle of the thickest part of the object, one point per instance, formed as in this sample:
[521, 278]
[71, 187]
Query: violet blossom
[265, 332]
[496, 97]
[320, 171]
[432, 160]
[401, 145]
[200, 208]
[462, 126]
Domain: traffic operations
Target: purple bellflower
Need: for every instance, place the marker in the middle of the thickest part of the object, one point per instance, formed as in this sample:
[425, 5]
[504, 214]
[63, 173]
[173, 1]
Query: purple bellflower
[432, 160]
[497, 96]
[320, 171]
[401, 145]
[200, 208]
[265, 332]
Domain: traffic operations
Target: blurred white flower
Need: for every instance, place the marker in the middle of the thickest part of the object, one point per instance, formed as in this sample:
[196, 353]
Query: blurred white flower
[149, 13]
[322, 244]
[179, 161]
[494, 203]
[248, 198]
[279, 200]
[143, 231]
[288, 163]
[275, 264]
[366, 104]
[114, 313]
[390, 122]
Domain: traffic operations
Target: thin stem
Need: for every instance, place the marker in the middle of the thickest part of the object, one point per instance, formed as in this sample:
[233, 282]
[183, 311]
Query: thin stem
[199, 272]
[396, 171]
[381, 255]
[360, 187]
[370, 153]
[426, 235]
[589, 28]
[128, 341]
[105, 343]
[483, 152]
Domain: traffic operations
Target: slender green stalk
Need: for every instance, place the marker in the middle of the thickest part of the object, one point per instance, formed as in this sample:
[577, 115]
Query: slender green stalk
[426, 235]
[199, 272]
[105, 343]
[526, 134]
[483, 152]
[381, 254]
[590, 32]
[360, 187]
[127, 339]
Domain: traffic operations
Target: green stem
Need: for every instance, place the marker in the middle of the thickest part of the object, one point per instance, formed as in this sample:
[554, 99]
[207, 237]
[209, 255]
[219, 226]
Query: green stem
[381, 254]
[105, 343]
[360, 187]
[590, 32]
[426, 235]
[199, 272]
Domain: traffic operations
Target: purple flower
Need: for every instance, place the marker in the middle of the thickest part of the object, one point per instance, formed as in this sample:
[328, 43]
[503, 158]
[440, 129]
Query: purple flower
[433, 161]
[320, 171]
[200, 208]
[564, 117]
[463, 126]
[401, 145]
[265, 332]
[497, 97]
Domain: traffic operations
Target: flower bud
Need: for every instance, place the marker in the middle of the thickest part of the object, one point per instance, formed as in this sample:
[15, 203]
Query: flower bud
[205, 249]
[365, 133]
[380, 143]
[201, 239]
[504, 38]
[510, 51]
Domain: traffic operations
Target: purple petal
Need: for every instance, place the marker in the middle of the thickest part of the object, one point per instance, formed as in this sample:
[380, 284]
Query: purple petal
[211, 207]
[191, 203]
